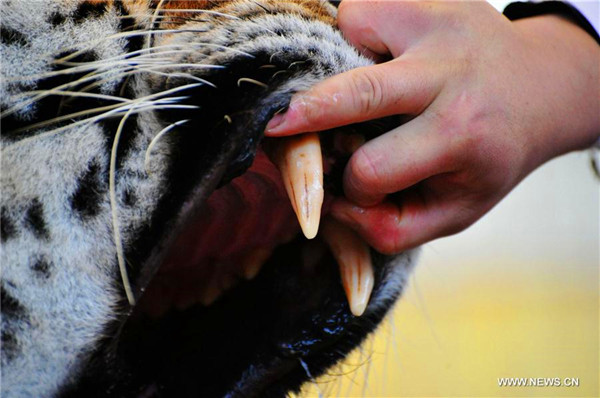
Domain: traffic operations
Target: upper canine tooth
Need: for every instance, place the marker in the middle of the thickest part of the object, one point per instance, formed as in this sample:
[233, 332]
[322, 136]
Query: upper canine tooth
[354, 259]
[300, 162]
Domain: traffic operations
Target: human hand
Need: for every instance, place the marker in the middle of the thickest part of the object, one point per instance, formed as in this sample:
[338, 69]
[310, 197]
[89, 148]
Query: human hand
[491, 100]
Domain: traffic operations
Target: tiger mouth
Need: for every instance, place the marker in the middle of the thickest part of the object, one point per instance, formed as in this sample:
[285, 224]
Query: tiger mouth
[102, 105]
[244, 304]
[233, 299]
[243, 222]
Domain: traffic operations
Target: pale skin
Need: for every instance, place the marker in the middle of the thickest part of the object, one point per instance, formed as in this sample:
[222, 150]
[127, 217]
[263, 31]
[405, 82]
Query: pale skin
[490, 101]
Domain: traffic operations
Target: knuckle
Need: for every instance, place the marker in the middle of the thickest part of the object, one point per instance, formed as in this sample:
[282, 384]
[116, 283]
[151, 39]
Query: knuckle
[363, 170]
[463, 219]
[345, 9]
[395, 240]
[463, 127]
[367, 92]
[310, 109]
[351, 16]
[345, 4]
[456, 227]
[390, 246]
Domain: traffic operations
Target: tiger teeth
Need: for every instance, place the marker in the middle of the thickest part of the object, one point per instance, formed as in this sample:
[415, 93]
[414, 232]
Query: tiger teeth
[253, 262]
[300, 162]
[354, 259]
[212, 291]
[210, 294]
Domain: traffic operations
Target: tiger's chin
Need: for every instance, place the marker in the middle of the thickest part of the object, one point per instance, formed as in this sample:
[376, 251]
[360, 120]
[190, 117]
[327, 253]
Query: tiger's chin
[245, 305]
[261, 338]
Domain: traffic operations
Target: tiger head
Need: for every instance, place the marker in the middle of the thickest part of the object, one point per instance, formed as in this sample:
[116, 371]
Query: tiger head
[149, 247]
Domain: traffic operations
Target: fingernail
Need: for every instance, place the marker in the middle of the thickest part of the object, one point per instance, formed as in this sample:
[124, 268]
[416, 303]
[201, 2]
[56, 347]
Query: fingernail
[288, 120]
[275, 124]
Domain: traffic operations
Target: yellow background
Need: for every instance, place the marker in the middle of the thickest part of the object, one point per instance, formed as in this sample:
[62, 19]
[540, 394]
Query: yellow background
[516, 295]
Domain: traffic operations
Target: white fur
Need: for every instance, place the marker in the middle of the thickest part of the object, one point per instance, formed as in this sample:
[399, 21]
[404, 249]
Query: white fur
[21, 65]
[68, 312]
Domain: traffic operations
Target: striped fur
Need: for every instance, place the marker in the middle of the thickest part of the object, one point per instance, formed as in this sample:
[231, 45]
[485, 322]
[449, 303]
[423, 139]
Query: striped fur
[76, 75]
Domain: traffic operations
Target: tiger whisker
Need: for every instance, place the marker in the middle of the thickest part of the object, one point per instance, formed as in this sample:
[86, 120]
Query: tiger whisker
[273, 55]
[38, 97]
[129, 16]
[95, 66]
[280, 110]
[141, 69]
[253, 81]
[189, 50]
[97, 82]
[89, 121]
[71, 94]
[199, 45]
[120, 35]
[108, 107]
[152, 22]
[184, 75]
[156, 139]
[210, 12]
[153, 58]
[163, 19]
[261, 6]
[187, 65]
[175, 19]
[133, 54]
[93, 76]
[126, 74]
[79, 69]
[115, 212]
[296, 63]
[278, 73]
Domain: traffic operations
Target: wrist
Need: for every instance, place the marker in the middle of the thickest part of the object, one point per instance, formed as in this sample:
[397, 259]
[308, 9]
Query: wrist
[564, 62]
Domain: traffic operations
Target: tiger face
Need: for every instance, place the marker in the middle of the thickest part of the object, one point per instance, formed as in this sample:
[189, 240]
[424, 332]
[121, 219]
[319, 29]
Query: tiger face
[150, 236]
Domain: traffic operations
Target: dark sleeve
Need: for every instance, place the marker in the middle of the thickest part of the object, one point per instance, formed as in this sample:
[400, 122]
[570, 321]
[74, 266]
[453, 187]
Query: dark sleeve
[520, 10]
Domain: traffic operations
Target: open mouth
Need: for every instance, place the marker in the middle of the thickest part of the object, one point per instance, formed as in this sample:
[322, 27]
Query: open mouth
[243, 222]
[248, 287]
[244, 304]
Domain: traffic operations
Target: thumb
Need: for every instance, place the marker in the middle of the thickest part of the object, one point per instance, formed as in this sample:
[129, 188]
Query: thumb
[371, 92]
[416, 219]
[383, 27]
[397, 160]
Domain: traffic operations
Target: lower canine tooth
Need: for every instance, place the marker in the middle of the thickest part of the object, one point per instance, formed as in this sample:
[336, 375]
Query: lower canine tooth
[253, 262]
[212, 290]
[300, 162]
[354, 259]
[210, 295]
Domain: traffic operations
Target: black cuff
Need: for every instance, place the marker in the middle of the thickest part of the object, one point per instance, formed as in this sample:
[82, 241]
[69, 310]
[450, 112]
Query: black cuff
[520, 10]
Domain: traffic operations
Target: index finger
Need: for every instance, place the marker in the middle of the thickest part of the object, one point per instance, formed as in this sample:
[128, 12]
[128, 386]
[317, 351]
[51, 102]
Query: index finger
[392, 88]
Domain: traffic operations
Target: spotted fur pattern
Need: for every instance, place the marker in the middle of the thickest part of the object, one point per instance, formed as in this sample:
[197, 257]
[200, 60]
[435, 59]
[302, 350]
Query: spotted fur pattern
[63, 59]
